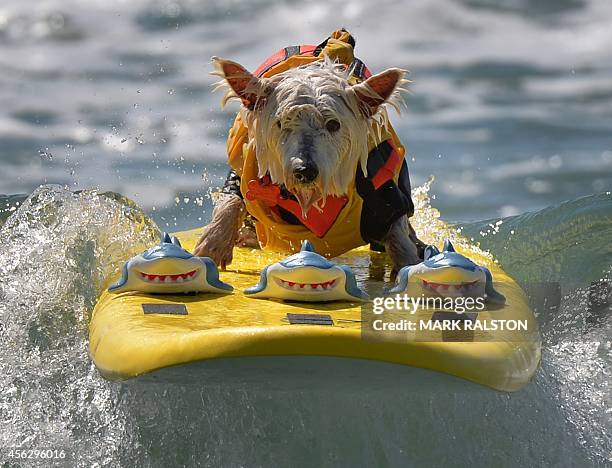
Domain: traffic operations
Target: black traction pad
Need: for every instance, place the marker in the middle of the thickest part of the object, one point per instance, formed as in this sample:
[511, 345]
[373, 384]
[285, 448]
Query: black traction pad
[167, 309]
[310, 319]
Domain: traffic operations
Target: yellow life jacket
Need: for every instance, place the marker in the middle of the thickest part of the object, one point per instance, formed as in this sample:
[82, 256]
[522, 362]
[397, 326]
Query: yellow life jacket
[341, 226]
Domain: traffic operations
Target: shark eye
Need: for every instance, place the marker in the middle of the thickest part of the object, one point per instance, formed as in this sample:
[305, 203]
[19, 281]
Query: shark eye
[332, 126]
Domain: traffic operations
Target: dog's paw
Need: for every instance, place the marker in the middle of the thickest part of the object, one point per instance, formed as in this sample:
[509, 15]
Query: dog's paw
[217, 244]
[401, 247]
[247, 237]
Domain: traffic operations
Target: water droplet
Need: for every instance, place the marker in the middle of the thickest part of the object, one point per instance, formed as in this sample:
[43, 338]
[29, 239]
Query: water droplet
[46, 154]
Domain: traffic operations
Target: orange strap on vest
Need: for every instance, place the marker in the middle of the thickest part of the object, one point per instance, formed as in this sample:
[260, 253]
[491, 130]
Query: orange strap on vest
[388, 171]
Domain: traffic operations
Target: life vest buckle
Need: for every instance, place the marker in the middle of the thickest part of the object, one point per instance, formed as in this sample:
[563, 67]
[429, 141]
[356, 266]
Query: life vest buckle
[263, 191]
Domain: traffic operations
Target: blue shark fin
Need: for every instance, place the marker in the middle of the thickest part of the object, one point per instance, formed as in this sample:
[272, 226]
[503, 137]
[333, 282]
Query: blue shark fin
[401, 282]
[430, 251]
[261, 285]
[122, 281]
[175, 241]
[448, 246]
[492, 295]
[351, 284]
[166, 238]
[307, 247]
[212, 275]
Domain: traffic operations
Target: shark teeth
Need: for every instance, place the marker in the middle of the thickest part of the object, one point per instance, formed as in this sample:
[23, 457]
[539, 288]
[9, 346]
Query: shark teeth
[168, 279]
[450, 288]
[326, 286]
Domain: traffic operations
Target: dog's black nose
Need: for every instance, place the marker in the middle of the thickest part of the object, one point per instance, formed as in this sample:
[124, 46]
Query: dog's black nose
[306, 172]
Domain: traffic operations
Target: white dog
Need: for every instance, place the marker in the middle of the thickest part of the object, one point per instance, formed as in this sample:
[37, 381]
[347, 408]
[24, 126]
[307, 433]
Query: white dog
[314, 157]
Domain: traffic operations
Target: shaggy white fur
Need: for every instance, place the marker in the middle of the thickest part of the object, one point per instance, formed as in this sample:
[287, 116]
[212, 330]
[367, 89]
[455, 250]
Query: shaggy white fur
[290, 113]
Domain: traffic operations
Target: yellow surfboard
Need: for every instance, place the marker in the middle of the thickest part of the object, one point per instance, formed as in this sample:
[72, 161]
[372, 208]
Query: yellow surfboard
[134, 333]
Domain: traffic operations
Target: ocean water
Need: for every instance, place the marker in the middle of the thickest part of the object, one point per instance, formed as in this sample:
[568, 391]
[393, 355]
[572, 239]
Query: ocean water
[109, 133]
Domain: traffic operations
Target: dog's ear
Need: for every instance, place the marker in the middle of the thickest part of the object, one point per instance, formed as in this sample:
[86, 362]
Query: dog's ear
[246, 86]
[376, 90]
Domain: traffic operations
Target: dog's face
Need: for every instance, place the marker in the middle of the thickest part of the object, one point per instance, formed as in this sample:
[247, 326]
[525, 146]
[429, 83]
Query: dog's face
[310, 127]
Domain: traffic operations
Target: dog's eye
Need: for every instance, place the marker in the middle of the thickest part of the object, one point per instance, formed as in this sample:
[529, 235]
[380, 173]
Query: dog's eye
[332, 126]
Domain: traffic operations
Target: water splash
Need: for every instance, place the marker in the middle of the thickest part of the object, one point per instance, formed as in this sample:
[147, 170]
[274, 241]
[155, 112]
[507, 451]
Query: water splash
[562, 254]
[58, 247]
[433, 230]
[8, 205]
[578, 360]
[56, 251]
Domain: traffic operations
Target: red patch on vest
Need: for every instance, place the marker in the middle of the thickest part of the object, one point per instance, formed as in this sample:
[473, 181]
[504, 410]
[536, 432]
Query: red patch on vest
[317, 221]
